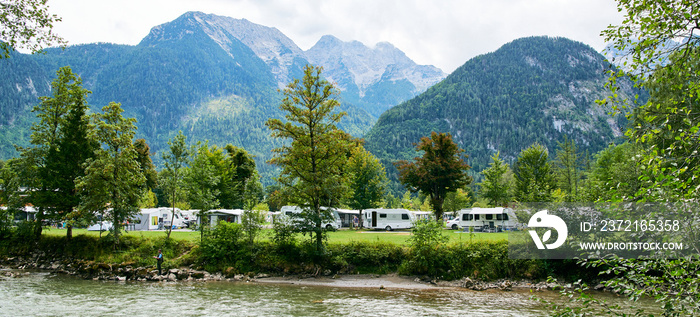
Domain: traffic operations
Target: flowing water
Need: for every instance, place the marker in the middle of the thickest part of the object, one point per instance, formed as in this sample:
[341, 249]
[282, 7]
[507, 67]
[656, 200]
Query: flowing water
[45, 294]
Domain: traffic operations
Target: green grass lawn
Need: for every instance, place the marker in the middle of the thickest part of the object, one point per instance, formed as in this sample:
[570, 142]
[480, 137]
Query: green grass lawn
[340, 236]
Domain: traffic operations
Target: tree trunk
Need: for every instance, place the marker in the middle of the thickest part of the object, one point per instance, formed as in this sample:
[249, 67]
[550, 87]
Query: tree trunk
[69, 231]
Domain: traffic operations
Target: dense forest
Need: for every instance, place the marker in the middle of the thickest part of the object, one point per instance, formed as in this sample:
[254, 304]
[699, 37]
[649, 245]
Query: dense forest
[535, 89]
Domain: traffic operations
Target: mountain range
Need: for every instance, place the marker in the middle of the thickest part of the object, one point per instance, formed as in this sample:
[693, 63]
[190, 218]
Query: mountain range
[535, 89]
[212, 77]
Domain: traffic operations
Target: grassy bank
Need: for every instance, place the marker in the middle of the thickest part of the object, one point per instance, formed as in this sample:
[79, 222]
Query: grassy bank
[339, 236]
[481, 256]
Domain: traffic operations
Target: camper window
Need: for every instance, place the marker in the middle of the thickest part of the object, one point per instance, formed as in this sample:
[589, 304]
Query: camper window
[489, 217]
[404, 217]
[505, 216]
[476, 217]
[382, 215]
[499, 217]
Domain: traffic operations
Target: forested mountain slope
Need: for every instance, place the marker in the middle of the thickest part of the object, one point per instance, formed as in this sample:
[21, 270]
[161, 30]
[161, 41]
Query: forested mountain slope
[534, 89]
[213, 77]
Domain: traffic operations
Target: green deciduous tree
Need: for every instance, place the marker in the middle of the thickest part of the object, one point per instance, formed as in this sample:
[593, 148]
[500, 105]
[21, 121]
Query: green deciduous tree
[661, 41]
[10, 195]
[533, 175]
[173, 175]
[313, 162]
[496, 187]
[440, 170]
[614, 175]
[113, 181]
[237, 170]
[202, 183]
[26, 24]
[367, 180]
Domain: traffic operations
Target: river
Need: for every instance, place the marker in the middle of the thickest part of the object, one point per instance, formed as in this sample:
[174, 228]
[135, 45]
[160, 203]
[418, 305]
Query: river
[46, 294]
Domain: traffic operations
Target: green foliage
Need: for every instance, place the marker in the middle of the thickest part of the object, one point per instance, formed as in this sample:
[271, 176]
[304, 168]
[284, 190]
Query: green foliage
[427, 253]
[566, 169]
[202, 181]
[62, 142]
[313, 162]
[113, 178]
[367, 180]
[457, 200]
[533, 175]
[252, 221]
[26, 24]
[173, 175]
[668, 129]
[614, 175]
[222, 245]
[440, 170]
[495, 186]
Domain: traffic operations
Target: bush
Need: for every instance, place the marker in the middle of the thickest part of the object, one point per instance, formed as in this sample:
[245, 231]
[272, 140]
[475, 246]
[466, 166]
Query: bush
[221, 247]
[428, 254]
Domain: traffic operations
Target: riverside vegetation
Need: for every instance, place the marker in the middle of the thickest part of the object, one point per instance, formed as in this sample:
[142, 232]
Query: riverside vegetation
[225, 250]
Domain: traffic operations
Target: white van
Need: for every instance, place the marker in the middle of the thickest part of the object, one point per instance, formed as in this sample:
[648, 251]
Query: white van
[290, 212]
[487, 219]
[388, 219]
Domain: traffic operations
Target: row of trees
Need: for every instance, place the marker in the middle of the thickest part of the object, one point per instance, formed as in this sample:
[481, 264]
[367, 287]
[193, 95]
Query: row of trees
[81, 167]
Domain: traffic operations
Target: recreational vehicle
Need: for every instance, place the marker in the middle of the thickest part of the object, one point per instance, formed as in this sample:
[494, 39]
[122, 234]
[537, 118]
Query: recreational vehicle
[292, 212]
[388, 219]
[487, 219]
[159, 218]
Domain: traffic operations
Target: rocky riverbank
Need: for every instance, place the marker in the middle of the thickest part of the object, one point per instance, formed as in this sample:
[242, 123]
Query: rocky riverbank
[131, 272]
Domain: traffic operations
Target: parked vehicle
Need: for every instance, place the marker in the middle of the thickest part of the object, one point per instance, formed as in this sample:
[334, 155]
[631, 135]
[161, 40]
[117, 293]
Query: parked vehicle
[487, 219]
[452, 224]
[291, 213]
[388, 219]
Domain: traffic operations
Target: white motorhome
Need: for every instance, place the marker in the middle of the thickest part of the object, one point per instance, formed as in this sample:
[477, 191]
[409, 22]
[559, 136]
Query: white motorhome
[388, 219]
[159, 218]
[290, 212]
[487, 219]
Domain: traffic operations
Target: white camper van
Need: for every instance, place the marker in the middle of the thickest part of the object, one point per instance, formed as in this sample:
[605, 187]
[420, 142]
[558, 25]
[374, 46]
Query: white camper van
[388, 219]
[487, 219]
[290, 212]
[159, 218]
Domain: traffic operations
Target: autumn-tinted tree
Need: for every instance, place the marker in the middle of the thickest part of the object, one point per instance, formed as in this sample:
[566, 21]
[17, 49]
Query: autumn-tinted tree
[440, 170]
[314, 158]
[367, 180]
[533, 175]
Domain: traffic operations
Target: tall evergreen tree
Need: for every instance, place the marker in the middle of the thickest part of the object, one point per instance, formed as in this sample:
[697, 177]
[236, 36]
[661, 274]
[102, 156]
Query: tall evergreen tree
[495, 186]
[62, 142]
[566, 168]
[313, 162]
[533, 175]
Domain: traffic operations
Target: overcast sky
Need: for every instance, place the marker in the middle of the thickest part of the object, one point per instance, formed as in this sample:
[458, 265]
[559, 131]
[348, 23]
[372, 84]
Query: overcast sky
[433, 32]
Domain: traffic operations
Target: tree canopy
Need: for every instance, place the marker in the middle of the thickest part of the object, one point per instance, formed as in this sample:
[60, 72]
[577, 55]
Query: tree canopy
[440, 170]
[314, 159]
[26, 24]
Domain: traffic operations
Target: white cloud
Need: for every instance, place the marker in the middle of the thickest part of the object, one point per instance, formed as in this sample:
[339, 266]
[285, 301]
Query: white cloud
[444, 33]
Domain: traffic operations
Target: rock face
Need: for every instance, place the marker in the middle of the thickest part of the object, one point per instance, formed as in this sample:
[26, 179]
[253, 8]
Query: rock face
[371, 72]
[374, 79]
